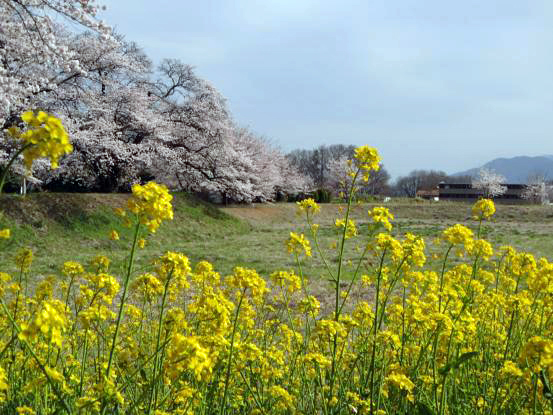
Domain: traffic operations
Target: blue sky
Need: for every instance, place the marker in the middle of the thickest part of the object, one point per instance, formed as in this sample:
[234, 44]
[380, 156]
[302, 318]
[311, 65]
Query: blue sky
[432, 84]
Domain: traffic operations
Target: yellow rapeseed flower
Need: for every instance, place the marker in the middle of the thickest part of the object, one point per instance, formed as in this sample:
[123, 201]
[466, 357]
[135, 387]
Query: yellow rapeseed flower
[510, 368]
[381, 215]
[152, 204]
[400, 381]
[458, 235]
[387, 242]
[287, 280]
[413, 248]
[329, 328]
[101, 263]
[247, 279]
[4, 278]
[25, 410]
[50, 320]
[45, 137]
[309, 206]
[114, 235]
[483, 209]
[3, 380]
[174, 262]
[148, 286]
[5, 233]
[186, 353]
[298, 244]
[284, 401]
[309, 305]
[351, 229]
[72, 268]
[316, 358]
[24, 259]
[367, 159]
[481, 248]
[538, 352]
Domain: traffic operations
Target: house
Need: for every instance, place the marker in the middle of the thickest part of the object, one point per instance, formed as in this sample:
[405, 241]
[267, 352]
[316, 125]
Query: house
[465, 191]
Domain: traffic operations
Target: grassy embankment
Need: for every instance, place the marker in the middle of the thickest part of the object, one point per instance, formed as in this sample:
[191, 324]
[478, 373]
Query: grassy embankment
[59, 227]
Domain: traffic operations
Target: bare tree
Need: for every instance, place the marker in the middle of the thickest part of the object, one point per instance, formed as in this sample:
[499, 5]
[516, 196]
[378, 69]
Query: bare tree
[419, 180]
[378, 182]
[408, 185]
[316, 163]
[490, 182]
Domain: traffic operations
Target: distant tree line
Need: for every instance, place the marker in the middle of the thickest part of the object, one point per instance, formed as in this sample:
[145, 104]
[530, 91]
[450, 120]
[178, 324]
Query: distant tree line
[326, 167]
[417, 180]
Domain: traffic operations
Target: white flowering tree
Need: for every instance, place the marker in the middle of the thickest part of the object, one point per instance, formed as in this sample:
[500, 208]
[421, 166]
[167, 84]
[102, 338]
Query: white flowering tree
[339, 179]
[127, 121]
[537, 190]
[33, 48]
[490, 183]
[251, 169]
[30, 42]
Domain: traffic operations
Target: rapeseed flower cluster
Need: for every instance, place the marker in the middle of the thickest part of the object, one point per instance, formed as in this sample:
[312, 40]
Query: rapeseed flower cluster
[308, 206]
[298, 244]
[45, 136]
[366, 159]
[381, 215]
[422, 334]
[151, 203]
[350, 228]
[483, 209]
[458, 235]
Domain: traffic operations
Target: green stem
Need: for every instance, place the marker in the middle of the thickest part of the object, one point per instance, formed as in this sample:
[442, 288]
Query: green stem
[342, 246]
[375, 327]
[317, 245]
[227, 376]
[402, 326]
[354, 278]
[158, 340]
[83, 363]
[442, 278]
[337, 307]
[122, 304]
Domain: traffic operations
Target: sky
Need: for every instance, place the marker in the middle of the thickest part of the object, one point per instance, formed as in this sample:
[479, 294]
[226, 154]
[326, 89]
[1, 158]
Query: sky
[431, 84]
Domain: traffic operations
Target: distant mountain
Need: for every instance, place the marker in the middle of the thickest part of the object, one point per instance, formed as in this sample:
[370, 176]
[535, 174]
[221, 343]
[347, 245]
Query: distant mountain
[516, 169]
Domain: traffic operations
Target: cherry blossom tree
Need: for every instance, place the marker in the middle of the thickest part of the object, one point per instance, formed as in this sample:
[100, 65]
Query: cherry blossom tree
[30, 42]
[251, 169]
[537, 190]
[490, 182]
[128, 121]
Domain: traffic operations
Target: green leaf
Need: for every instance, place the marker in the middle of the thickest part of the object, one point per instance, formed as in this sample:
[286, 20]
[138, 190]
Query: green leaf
[424, 409]
[546, 386]
[457, 363]
[143, 375]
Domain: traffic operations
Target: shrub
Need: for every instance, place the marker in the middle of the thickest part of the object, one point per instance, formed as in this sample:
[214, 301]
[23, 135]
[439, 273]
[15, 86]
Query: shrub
[323, 195]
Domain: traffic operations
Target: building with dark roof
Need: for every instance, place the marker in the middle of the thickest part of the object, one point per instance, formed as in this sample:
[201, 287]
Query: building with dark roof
[465, 191]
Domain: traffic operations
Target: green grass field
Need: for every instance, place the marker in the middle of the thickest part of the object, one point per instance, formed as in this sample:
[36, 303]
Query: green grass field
[59, 227]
